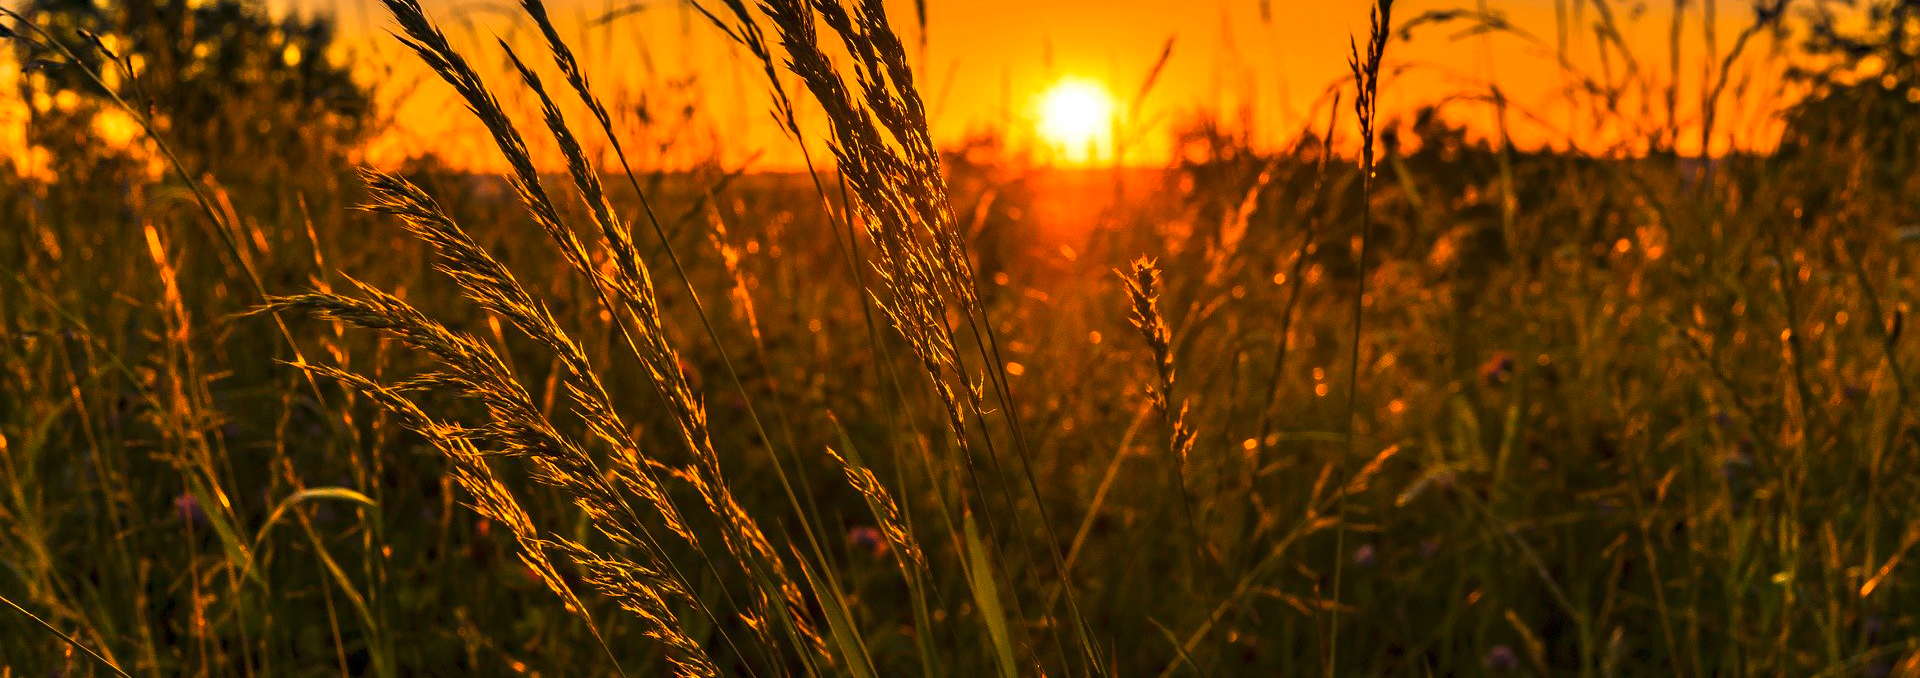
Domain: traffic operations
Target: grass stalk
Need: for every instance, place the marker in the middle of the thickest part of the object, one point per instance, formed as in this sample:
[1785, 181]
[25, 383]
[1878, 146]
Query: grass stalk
[1366, 78]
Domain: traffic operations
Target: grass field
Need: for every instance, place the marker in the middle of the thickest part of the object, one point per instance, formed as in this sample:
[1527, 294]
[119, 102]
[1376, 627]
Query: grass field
[938, 412]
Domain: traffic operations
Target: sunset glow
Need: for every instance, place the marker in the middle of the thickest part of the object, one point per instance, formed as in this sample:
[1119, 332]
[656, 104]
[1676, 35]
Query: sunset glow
[743, 339]
[1042, 74]
[1076, 119]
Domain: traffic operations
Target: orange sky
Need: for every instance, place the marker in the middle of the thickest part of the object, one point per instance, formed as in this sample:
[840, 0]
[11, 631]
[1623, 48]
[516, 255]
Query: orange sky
[989, 61]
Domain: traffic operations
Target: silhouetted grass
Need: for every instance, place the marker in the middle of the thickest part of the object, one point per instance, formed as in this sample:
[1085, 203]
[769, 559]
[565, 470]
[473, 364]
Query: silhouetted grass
[1608, 413]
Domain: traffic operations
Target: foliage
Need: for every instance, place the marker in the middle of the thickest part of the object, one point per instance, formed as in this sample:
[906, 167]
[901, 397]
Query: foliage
[1867, 86]
[221, 79]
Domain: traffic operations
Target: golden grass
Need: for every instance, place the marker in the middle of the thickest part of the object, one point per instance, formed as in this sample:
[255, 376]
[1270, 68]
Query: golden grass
[1600, 416]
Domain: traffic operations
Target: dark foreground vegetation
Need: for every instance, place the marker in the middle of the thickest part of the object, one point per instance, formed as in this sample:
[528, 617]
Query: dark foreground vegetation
[1619, 412]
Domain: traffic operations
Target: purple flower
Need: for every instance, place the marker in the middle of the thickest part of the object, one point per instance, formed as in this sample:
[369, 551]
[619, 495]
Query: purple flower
[868, 539]
[187, 508]
[1502, 658]
[1365, 555]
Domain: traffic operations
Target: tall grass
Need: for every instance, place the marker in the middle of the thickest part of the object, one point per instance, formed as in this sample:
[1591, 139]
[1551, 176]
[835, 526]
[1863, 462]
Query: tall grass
[1608, 413]
[1366, 111]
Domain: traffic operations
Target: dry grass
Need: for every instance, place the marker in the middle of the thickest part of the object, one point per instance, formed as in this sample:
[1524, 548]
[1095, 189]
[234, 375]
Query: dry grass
[1600, 415]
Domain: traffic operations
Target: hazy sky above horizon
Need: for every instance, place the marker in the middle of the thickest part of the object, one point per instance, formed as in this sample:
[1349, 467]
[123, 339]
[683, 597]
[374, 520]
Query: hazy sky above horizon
[1261, 66]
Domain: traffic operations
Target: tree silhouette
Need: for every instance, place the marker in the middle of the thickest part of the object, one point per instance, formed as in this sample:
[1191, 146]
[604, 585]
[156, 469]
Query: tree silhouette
[1866, 87]
[227, 86]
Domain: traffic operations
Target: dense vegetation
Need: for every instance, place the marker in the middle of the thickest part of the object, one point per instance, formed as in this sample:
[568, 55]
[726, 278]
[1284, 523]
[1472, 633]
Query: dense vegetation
[1609, 411]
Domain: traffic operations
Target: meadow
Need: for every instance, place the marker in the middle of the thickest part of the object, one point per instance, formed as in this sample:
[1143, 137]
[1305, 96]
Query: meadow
[1397, 398]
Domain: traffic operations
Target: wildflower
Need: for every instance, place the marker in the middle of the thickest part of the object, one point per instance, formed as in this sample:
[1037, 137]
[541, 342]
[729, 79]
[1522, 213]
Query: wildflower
[868, 539]
[1498, 369]
[187, 508]
[1365, 555]
[1502, 658]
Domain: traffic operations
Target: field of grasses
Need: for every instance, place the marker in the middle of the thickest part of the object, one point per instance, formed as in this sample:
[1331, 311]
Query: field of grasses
[1393, 400]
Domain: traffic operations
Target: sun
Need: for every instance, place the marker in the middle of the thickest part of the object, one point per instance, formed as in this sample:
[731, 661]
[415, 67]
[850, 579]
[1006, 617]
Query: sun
[1076, 118]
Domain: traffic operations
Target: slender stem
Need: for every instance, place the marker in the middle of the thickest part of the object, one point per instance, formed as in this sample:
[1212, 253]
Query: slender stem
[70, 640]
[1366, 76]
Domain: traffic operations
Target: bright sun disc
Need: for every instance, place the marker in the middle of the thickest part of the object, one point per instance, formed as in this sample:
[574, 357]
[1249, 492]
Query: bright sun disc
[1076, 117]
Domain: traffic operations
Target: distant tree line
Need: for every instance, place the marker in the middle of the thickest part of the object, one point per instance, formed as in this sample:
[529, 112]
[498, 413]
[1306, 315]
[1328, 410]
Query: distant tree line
[226, 84]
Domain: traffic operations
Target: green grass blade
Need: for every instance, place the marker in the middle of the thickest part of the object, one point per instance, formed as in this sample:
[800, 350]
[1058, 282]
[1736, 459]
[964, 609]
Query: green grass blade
[295, 499]
[846, 636]
[986, 594]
